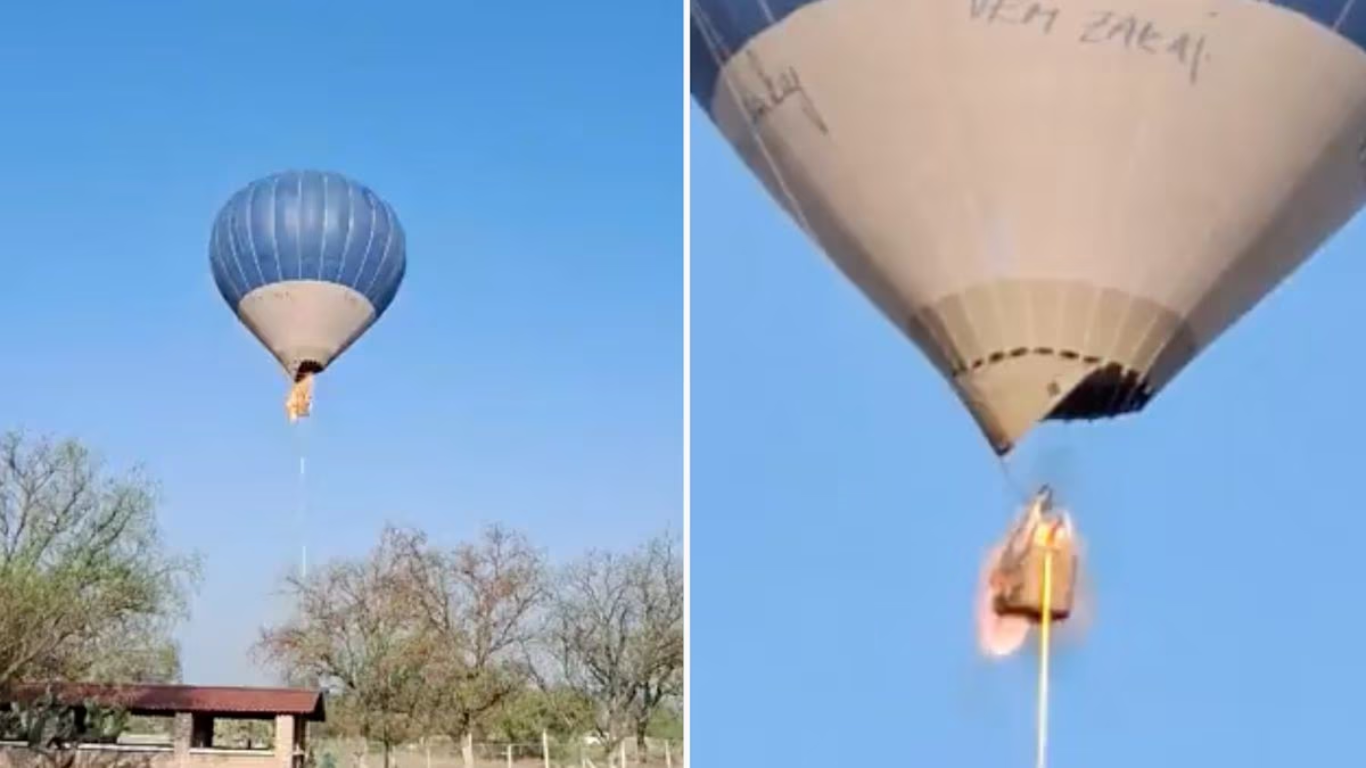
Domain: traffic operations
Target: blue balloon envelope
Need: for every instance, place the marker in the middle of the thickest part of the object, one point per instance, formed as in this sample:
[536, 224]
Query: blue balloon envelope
[308, 260]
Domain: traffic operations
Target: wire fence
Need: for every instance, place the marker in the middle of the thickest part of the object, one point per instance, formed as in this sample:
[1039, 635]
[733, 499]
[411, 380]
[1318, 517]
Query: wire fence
[548, 752]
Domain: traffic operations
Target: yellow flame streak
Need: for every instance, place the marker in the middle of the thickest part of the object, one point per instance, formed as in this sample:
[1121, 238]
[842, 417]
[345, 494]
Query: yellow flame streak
[300, 401]
[1045, 637]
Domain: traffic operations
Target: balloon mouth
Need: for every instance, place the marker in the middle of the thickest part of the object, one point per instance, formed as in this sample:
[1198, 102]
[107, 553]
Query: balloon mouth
[1111, 390]
[307, 368]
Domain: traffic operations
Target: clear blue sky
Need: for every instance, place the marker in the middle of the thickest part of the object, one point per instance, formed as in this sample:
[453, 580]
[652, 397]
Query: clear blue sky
[529, 371]
[841, 501]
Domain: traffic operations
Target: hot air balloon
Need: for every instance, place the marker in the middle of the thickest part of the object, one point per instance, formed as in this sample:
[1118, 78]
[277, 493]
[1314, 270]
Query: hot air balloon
[308, 261]
[1061, 203]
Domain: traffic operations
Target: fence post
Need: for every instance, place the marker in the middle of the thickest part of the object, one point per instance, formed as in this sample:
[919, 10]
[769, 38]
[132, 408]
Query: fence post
[509, 756]
[545, 748]
[668, 755]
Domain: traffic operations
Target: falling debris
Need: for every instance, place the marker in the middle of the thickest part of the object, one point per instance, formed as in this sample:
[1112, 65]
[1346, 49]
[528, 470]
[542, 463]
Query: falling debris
[300, 401]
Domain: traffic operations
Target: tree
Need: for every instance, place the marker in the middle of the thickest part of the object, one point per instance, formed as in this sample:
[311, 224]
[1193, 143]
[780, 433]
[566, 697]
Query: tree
[52, 729]
[475, 605]
[352, 633]
[88, 588]
[616, 630]
[559, 711]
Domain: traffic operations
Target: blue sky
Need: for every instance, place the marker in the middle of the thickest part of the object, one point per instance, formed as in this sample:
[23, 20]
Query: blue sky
[842, 499]
[529, 371]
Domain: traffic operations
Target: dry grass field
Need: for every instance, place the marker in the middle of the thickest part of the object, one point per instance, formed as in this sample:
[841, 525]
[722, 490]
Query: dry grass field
[443, 754]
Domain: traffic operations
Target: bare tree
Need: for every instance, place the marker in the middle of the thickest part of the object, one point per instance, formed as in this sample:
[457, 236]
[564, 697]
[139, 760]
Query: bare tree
[475, 606]
[352, 632]
[88, 588]
[658, 586]
[616, 630]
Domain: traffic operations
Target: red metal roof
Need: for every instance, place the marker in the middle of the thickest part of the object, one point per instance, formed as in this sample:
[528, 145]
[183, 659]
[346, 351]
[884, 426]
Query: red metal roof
[168, 699]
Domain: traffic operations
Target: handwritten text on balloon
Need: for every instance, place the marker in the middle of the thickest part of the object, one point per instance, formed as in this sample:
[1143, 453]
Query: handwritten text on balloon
[1099, 27]
[775, 89]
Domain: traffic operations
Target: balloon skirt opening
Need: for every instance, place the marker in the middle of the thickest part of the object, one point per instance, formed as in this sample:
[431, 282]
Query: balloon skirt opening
[1111, 390]
[306, 368]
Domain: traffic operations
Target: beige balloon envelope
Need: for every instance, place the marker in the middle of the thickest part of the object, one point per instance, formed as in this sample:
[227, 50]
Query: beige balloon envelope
[1060, 203]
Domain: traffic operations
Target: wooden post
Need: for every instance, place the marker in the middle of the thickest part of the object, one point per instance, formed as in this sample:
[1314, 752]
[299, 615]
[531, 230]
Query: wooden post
[509, 756]
[668, 755]
[545, 748]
